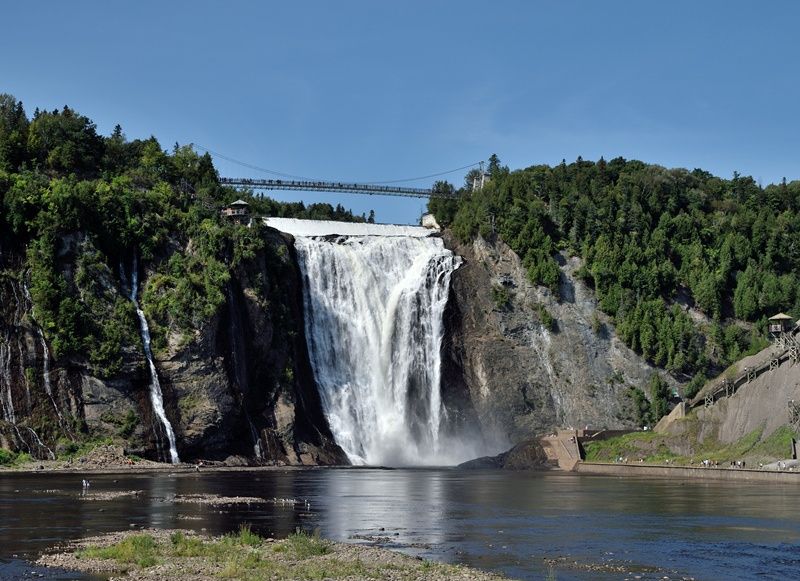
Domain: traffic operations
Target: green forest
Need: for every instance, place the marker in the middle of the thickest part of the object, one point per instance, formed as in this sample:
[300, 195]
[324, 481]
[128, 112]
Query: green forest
[655, 242]
[77, 206]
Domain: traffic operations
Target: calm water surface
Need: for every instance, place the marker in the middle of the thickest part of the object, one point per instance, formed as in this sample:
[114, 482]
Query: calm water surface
[505, 522]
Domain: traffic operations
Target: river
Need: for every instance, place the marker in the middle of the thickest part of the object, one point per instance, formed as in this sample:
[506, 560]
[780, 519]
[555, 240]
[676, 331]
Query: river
[500, 521]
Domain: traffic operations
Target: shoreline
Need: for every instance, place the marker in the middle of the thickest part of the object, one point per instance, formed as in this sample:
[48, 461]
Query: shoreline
[154, 469]
[692, 472]
[157, 468]
[580, 468]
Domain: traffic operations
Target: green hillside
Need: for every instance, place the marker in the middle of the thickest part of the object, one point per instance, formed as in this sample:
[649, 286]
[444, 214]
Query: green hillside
[75, 205]
[654, 241]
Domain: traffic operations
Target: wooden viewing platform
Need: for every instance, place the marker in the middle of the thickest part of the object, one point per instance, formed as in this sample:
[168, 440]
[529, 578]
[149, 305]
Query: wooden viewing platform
[788, 342]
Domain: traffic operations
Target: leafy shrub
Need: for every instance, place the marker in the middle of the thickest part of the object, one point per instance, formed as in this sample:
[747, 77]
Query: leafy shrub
[500, 296]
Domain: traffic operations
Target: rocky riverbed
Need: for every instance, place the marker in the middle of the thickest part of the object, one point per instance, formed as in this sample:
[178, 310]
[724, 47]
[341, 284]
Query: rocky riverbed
[186, 555]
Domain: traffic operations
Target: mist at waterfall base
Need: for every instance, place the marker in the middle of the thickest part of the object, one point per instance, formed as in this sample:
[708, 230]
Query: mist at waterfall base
[374, 309]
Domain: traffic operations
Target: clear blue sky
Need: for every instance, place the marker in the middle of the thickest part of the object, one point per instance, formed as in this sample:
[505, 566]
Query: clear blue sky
[382, 90]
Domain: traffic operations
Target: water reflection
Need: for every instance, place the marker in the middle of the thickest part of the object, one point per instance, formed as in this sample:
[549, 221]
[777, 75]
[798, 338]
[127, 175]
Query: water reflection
[502, 521]
[378, 503]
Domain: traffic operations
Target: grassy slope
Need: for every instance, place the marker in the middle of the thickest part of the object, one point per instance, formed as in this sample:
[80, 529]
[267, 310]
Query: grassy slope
[180, 556]
[656, 448]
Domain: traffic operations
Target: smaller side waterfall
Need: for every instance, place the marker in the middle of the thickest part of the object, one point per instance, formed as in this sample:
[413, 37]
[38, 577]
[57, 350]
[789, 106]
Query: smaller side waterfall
[39, 444]
[6, 399]
[26, 437]
[45, 359]
[156, 397]
[25, 379]
[46, 374]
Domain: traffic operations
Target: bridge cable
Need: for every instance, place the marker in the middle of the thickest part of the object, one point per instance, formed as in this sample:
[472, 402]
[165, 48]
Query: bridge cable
[287, 175]
[433, 175]
[250, 166]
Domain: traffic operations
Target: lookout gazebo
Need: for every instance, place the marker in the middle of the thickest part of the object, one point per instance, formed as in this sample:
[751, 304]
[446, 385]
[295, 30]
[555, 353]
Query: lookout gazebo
[780, 323]
[237, 212]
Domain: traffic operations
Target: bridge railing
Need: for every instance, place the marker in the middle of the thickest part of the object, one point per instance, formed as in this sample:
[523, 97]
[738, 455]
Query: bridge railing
[343, 187]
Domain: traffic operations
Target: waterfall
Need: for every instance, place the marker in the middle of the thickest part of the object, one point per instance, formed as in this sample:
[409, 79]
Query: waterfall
[373, 322]
[45, 365]
[22, 305]
[35, 446]
[45, 360]
[38, 441]
[6, 397]
[156, 397]
[46, 374]
[24, 378]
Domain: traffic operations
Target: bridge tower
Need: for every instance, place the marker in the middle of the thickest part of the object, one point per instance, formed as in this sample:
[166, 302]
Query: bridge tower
[479, 180]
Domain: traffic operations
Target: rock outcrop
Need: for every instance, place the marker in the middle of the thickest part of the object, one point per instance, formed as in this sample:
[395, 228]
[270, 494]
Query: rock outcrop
[517, 363]
[527, 455]
[239, 385]
[527, 361]
[245, 385]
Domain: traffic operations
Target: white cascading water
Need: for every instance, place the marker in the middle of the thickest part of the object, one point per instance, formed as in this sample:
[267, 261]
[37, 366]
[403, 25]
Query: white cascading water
[45, 358]
[38, 441]
[6, 379]
[373, 323]
[6, 398]
[46, 374]
[156, 397]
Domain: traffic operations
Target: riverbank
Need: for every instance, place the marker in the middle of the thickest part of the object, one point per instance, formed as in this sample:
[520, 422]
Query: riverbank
[182, 555]
[154, 467]
[675, 472]
[111, 459]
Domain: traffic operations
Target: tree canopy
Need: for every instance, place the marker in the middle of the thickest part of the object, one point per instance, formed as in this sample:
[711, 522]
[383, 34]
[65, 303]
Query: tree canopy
[655, 242]
[78, 206]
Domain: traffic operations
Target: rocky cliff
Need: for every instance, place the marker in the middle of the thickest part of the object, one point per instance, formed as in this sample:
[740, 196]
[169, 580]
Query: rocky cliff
[239, 384]
[517, 362]
[526, 361]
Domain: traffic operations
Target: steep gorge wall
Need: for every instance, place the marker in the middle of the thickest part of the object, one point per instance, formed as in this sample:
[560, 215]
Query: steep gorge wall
[239, 385]
[522, 377]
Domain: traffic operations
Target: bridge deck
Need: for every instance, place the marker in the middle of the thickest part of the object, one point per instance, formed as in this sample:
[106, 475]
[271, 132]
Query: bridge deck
[336, 187]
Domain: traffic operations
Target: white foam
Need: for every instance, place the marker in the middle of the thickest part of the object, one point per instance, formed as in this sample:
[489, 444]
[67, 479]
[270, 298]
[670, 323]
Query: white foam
[311, 228]
[374, 310]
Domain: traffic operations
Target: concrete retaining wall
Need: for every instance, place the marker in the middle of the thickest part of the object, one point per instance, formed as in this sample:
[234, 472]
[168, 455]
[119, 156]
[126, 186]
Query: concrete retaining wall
[686, 472]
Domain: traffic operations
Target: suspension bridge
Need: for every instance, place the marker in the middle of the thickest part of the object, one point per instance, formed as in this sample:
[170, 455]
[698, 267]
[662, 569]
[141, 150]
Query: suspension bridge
[336, 187]
[284, 181]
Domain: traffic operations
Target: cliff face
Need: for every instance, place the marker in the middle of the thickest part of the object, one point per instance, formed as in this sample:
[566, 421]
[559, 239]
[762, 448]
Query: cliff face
[240, 384]
[245, 385]
[517, 363]
[523, 373]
